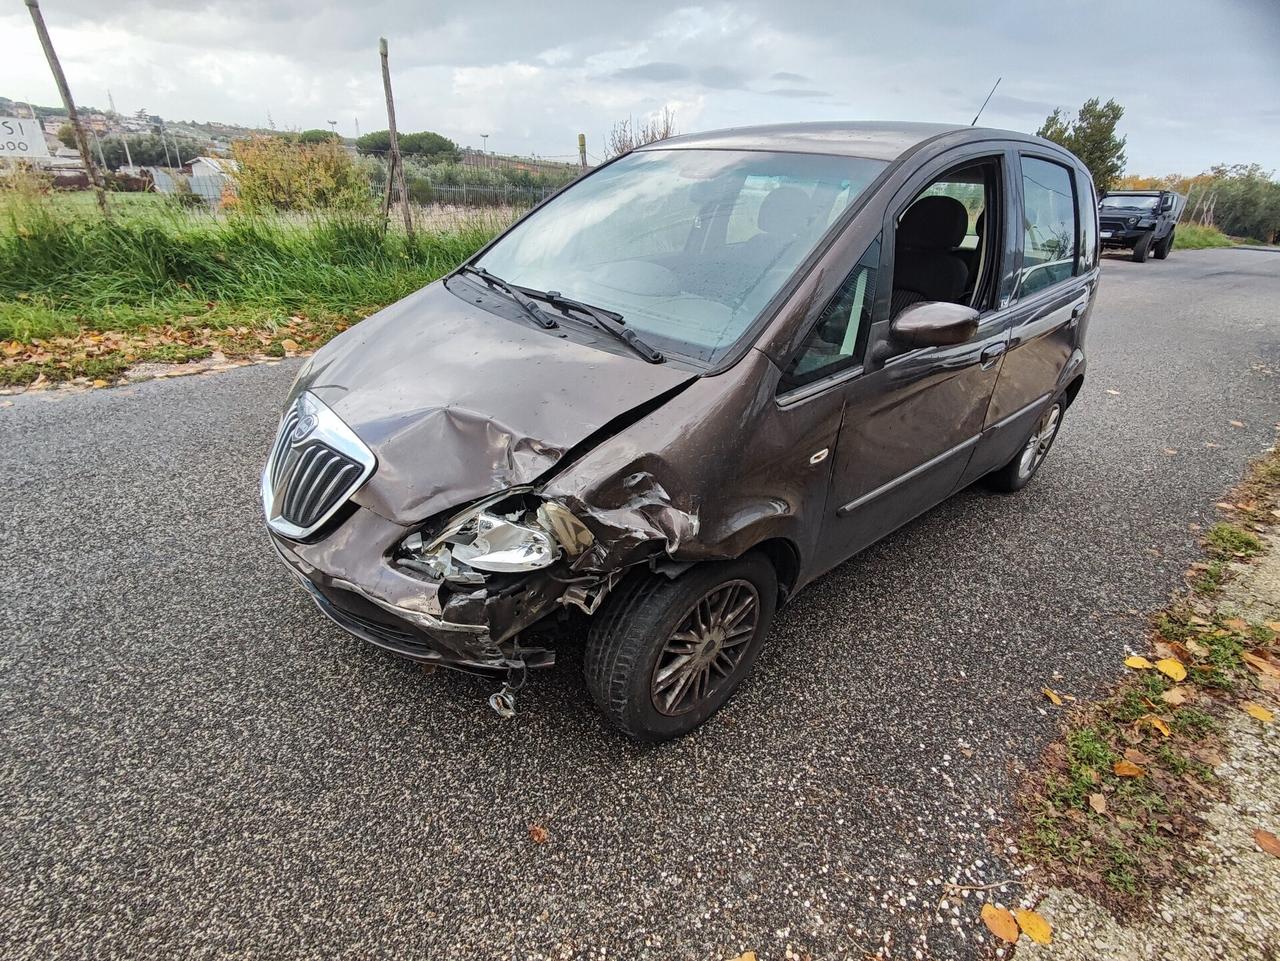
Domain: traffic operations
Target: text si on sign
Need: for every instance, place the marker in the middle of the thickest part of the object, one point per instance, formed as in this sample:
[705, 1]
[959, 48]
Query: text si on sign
[21, 138]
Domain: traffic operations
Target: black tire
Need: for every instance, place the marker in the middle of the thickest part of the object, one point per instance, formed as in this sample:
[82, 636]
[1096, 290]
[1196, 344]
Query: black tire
[1017, 474]
[1164, 245]
[1141, 249]
[630, 635]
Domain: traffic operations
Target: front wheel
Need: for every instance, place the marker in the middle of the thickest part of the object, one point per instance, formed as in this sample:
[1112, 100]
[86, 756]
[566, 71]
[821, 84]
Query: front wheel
[1142, 248]
[1164, 246]
[664, 655]
[1016, 474]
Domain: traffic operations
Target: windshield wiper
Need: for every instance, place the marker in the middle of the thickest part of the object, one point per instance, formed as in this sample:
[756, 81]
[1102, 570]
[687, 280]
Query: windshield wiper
[528, 306]
[608, 321]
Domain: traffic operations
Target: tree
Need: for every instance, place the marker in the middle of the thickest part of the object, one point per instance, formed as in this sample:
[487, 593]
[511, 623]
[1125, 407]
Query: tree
[375, 142]
[430, 147]
[425, 145]
[316, 135]
[623, 138]
[67, 134]
[1091, 136]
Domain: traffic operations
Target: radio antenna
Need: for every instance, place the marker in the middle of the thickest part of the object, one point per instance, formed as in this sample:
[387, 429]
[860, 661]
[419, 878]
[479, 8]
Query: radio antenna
[985, 102]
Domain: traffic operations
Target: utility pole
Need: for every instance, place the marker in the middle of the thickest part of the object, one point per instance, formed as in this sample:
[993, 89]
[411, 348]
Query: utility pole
[582, 150]
[395, 165]
[60, 79]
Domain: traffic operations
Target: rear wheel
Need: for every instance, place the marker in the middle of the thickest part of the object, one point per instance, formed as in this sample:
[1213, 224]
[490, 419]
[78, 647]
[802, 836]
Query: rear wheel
[1164, 246]
[1142, 248]
[663, 656]
[1016, 474]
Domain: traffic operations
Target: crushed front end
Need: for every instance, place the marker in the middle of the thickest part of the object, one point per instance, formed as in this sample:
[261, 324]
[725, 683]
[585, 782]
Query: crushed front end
[455, 592]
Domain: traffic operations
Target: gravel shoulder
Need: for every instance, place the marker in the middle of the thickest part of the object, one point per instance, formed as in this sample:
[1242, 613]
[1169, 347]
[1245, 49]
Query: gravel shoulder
[1228, 907]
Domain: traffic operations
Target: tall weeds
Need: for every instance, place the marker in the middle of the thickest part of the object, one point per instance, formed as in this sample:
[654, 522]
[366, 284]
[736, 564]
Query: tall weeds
[62, 270]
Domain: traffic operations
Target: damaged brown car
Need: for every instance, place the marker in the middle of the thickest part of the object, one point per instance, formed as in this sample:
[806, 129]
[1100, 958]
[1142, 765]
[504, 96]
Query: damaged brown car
[680, 390]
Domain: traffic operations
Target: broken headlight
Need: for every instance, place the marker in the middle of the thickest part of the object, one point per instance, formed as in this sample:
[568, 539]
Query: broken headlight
[505, 535]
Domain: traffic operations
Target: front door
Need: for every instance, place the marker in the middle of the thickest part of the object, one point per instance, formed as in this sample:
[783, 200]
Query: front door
[913, 418]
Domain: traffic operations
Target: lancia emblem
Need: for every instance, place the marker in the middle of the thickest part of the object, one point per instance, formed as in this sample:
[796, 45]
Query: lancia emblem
[306, 423]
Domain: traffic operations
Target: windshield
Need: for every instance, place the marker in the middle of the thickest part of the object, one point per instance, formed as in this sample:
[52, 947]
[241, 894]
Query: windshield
[1130, 202]
[687, 245]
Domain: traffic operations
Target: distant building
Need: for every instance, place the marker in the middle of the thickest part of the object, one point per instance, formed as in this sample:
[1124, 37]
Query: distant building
[53, 124]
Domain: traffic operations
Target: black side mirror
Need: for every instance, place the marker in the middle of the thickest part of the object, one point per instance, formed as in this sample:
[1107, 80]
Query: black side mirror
[934, 323]
[1166, 203]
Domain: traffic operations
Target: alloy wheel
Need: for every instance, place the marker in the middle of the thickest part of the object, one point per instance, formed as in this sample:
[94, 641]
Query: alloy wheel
[705, 650]
[1041, 440]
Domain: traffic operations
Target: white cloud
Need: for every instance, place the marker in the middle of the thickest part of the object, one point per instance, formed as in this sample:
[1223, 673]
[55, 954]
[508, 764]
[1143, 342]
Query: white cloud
[533, 75]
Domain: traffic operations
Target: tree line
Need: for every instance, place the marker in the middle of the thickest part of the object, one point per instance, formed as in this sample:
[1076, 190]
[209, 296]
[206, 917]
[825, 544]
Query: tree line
[1242, 200]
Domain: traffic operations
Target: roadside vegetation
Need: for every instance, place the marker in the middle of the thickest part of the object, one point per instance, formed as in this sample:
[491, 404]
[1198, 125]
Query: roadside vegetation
[1195, 237]
[1114, 807]
[83, 297]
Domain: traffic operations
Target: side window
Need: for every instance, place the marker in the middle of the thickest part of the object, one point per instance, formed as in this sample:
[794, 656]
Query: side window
[1088, 227]
[1049, 225]
[839, 337]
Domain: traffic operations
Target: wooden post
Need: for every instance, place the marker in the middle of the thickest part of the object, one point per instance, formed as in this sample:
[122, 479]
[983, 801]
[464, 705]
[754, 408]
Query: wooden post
[60, 79]
[396, 167]
[582, 150]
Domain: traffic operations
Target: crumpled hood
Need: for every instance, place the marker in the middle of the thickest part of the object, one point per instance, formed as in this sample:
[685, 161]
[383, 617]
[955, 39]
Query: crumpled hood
[457, 403]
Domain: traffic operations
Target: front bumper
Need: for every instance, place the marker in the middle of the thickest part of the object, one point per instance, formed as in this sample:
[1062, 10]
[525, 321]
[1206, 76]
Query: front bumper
[1128, 237]
[351, 579]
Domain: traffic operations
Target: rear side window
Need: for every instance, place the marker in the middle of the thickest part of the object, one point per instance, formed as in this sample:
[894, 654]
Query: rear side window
[1050, 225]
[1088, 226]
[838, 339]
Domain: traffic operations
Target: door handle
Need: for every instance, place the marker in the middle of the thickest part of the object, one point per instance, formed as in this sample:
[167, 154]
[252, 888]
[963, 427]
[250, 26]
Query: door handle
[991, 354]
[1078, 311]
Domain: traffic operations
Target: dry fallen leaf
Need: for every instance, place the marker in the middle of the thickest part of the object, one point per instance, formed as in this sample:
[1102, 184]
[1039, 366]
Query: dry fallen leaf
[1235, 423]
[1175, 695]
[1258, 711]
[1126, 769]
[1000, 923]
[1236, 624]
[538, 834]
[1098, 803]
[1034, 926]
[746, 956]
[1267, 841]
[1224, 506]
[1052, 695]
[99, 383]
[1196, 648]
[1260, 663]
[1171, 667]
[1156, 722]
[1138, 663]
[1113, 393]
[290, 346]
[1273, 626]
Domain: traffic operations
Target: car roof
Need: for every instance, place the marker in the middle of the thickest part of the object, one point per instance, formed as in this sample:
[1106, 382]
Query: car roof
[874, 140]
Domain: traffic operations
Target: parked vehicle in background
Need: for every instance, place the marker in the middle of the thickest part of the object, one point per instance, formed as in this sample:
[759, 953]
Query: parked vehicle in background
[680, 390]
[1143, 221]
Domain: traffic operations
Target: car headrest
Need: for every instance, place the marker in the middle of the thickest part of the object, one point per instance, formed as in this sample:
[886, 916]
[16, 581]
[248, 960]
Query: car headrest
[784, 211]
[933, 223]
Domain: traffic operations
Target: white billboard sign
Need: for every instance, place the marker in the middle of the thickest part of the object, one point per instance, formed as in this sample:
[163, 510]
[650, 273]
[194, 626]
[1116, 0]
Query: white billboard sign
[22, 138]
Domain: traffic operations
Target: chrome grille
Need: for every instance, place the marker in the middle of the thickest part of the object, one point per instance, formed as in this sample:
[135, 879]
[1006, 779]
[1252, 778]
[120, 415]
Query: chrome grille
[316, 463]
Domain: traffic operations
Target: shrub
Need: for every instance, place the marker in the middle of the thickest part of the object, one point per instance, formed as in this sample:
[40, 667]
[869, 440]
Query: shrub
[277, 175]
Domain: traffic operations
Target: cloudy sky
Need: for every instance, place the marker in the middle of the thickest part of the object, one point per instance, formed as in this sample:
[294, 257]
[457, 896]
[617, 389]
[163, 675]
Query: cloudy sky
[1200, 81]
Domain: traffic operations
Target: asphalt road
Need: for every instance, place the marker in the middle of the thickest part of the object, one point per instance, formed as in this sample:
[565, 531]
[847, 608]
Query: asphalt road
[196, 764]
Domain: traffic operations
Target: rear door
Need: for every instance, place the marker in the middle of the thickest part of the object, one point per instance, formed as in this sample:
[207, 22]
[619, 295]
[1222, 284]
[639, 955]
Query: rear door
[1050, 298]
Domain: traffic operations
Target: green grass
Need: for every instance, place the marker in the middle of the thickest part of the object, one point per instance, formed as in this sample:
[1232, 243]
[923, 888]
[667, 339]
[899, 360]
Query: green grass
[1227, 540]
[63, 269]
[1193, 237]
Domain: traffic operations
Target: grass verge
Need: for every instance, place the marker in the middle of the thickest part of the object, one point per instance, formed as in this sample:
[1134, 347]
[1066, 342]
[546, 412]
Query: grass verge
[1193, 237]
[1113, 808]
[85, 297]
